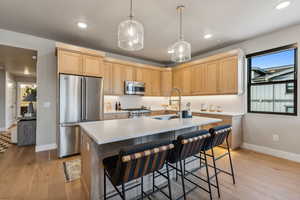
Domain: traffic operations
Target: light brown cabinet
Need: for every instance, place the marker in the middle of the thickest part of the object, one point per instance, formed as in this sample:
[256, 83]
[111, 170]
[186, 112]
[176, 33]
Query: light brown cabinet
[145, 75]
[155, 83]
[227, 76]
[177, 79]
[70, 62]
[107, 74]
[76, 63]
[210, 78]
[166, 82]
[120, 74]
[186, 76]
[199, 79]
[93, 66]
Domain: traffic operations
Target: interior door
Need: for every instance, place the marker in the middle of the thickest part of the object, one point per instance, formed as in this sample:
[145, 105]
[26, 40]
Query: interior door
[70, 98]
[93, 98]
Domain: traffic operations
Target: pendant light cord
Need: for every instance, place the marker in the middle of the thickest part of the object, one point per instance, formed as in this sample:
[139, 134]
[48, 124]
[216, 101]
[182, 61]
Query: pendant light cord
[180, 8]
[131, 8]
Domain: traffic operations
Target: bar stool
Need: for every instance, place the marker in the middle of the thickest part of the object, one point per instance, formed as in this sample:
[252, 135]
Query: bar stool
[219, 135]
[134, 163]
[186, 146]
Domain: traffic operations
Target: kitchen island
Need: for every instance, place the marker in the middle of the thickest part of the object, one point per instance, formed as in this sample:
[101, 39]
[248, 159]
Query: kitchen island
[105, 138]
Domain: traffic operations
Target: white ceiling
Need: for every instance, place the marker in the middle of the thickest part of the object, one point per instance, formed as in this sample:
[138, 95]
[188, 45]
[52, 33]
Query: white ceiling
[230, 21]
[17, 60]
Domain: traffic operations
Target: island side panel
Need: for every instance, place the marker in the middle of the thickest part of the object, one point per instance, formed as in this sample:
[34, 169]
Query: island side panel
[93, 154]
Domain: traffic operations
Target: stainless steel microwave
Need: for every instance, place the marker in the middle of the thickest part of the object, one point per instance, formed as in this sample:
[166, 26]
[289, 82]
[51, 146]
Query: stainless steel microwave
[134, 88]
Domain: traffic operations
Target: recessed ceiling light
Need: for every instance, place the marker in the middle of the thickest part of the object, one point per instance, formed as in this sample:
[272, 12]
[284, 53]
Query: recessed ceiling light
[82, 25]
[283, 4]
[207, 36]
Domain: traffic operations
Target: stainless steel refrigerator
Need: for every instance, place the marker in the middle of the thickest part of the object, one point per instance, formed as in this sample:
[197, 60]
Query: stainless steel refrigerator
[80, 100]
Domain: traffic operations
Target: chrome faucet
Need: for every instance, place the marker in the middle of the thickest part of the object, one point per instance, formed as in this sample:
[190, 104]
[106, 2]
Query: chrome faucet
[178, 91]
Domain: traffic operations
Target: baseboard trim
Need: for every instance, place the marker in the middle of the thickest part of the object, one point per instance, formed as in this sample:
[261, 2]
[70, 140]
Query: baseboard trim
[45, 147]
[273, 152]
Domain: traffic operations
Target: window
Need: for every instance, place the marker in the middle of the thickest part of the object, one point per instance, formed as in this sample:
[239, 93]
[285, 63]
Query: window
[272, 81]
[289, 89]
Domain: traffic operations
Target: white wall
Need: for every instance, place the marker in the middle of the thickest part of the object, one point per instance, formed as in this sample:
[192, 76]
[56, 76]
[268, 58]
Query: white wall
[260, 128]
[46, 81]
[10, 100]
[2, 100]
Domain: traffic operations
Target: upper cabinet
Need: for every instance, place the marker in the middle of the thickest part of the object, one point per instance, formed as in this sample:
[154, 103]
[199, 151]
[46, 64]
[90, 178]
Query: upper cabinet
[120, 74]
[144, 75]
[215, 75]
[76, 63]
[93, 66]
[228, 75]
[107, 74]
[155, 82]
[166, 82]
[70, 62]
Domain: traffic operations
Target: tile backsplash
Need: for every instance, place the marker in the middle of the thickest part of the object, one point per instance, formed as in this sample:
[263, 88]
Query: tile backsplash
[229, 103]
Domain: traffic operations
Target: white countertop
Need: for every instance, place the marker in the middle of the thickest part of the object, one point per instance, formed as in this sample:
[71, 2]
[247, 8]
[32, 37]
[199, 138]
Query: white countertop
[103, 132]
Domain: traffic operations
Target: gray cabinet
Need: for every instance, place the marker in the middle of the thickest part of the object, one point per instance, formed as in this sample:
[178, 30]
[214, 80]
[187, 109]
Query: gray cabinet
[26, 132]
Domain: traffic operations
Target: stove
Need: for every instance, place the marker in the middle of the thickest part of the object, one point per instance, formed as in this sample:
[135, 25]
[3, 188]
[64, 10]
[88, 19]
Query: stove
[137, 112]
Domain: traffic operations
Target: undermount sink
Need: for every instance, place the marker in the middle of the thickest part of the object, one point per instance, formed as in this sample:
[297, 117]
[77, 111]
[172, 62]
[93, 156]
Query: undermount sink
[166, 117]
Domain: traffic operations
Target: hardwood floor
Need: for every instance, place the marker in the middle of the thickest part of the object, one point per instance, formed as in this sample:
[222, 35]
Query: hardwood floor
[37, 176]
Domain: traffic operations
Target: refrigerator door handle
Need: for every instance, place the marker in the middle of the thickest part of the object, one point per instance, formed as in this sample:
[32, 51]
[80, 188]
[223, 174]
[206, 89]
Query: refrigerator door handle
[83, 99]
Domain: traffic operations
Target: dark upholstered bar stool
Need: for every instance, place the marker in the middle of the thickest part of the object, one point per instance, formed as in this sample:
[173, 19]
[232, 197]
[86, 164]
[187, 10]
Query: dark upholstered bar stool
[219, 135]
[134, 163]
[186, 146]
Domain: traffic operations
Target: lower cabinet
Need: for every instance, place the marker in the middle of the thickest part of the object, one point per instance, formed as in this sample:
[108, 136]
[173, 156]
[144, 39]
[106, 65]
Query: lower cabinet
[235, 138]
[111, 116]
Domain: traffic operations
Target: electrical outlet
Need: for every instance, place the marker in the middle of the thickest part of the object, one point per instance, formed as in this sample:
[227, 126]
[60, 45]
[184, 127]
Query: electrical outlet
[275, 138]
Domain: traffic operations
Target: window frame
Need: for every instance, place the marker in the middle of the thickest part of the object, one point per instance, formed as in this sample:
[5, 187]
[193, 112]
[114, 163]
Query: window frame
[295, 81]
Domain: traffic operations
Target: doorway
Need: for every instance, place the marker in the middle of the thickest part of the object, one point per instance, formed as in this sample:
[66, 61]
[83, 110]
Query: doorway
[18, 93]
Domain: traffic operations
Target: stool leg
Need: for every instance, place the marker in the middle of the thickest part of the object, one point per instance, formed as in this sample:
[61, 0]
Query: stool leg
[104, 178]
[215, 168]
[142, 187]
[207, 174]
[184, 166]
[153, 181]
[231, 166]
[169, 182]
[182, 180]
[176, 165]
[123, 191]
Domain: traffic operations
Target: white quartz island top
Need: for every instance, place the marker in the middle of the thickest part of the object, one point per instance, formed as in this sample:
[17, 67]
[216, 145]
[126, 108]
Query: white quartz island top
[109, 131]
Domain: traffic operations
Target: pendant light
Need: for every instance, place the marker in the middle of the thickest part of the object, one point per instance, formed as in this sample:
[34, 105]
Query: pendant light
[131, 34]
[181, 50]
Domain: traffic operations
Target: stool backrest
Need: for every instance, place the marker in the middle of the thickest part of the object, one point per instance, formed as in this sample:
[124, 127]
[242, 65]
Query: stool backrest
[219, 134]
[189, 144]
[140, 160]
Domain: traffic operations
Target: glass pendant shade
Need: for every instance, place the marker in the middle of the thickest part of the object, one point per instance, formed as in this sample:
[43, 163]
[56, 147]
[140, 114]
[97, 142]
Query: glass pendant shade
[181, 51]
[131, 35]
